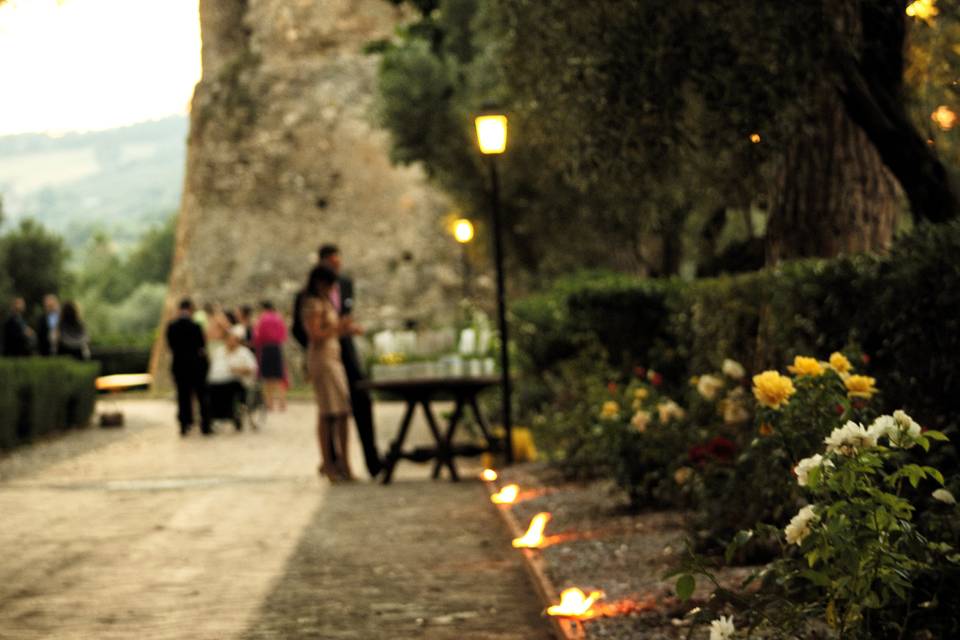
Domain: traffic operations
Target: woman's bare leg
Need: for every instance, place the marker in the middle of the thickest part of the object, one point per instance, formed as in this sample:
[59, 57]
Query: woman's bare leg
[343, 449]
[268, 393]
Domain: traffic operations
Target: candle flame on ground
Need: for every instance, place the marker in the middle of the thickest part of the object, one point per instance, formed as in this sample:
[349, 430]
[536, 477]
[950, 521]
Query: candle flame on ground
[488, 475]
[507, 495]
[755, 138]
[574, 603]
[533, 538]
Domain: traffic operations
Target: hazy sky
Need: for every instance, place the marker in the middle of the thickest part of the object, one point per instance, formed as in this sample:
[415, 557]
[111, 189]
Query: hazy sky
[95, 64]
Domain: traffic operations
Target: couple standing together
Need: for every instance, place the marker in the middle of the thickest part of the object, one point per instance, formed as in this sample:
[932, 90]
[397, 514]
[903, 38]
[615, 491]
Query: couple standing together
[323, 325]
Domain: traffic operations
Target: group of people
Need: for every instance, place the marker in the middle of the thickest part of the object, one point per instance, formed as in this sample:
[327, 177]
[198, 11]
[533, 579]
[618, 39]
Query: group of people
[218, 358]
[214, 363]
[59, 331]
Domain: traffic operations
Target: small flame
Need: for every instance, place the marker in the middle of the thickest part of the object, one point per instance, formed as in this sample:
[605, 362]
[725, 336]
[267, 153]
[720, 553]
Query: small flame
[533, 538]
[488, 475]
[945, 117]
[755, 138]
[507, 495]
[574, 603]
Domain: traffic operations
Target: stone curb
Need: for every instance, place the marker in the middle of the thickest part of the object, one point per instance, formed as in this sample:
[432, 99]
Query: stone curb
[564, 628]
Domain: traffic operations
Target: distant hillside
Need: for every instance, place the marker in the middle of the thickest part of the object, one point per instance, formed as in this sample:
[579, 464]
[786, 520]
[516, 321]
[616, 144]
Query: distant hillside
[120, 180]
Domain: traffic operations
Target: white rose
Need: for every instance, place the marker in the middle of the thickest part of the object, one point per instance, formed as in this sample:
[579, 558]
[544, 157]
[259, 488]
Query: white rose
[733, 369]
[668, 410]
[722, 628]
[909, 430]
[805, 466]
[849, 439]
[944, 496]
[708, 386]
[800, 525]
[640, 420]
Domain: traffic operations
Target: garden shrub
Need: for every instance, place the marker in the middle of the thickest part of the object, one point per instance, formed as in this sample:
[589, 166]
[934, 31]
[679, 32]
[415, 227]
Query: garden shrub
[902, 311]
[39, 396]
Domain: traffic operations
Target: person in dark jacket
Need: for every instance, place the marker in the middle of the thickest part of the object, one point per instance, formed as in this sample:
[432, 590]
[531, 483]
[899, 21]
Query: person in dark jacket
[48, 329]
[190, 364]
[18, 337]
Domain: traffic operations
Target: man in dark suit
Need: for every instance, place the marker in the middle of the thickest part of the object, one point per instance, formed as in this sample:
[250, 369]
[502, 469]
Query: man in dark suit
[342, 297]
[48, 329]
[17, 335]
[190, 364]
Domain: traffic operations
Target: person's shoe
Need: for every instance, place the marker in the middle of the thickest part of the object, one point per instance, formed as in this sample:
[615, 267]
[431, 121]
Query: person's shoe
[184, 429]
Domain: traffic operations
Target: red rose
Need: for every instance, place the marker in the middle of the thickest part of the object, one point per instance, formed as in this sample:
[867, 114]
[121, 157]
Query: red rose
[612, 388]
[639, 371]
[722, 449]
[839, 409]
[698, 454]
[866, 358]
[656, 379]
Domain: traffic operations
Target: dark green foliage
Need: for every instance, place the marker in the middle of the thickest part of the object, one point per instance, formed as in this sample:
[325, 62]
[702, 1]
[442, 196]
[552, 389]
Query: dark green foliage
[39, 396]
[902, 311]
[34, 261]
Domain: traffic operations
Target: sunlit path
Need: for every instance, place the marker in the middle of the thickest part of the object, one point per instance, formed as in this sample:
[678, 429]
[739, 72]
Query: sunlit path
[148, 535]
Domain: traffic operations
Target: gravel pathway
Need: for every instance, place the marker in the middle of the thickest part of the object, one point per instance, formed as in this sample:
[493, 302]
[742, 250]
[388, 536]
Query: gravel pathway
[137, 533]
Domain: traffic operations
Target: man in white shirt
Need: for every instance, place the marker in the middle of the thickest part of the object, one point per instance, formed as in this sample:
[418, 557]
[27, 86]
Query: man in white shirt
[233, 372]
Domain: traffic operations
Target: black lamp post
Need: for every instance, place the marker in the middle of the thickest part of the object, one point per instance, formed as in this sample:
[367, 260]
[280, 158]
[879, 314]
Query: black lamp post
[492, 138]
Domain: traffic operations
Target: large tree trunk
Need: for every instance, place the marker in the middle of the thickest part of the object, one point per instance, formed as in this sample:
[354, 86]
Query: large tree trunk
[835, 195]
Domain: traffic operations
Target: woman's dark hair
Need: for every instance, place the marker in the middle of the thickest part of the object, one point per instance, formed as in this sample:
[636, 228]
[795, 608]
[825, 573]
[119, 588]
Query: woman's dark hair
[69, 315]
[266, 305]
[320, 275]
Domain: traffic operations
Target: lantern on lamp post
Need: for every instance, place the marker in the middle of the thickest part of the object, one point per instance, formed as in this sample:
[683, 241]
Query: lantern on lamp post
[492, 140]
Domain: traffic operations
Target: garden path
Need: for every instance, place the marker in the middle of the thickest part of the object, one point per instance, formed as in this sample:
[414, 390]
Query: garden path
[138, 533]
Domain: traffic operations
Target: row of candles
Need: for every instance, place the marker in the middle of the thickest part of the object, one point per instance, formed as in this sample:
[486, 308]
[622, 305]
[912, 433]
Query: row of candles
[574, 603]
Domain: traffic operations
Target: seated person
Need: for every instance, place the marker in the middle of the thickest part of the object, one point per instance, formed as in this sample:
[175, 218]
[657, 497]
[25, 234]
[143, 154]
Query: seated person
[233, 371]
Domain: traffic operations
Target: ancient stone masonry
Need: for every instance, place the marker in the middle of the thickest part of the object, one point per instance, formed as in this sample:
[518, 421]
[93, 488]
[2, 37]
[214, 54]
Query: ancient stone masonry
[283, 155]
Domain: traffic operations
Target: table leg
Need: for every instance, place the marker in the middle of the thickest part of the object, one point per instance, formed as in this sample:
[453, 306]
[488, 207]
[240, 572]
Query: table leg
[484, 427]
[393, 455]
[448, 438]
[443, 453]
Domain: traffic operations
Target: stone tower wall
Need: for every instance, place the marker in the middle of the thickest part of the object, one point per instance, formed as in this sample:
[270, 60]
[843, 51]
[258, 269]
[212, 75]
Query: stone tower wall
[283, 155]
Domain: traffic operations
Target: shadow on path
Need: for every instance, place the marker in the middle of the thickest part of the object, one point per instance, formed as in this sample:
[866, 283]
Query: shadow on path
[412, 560]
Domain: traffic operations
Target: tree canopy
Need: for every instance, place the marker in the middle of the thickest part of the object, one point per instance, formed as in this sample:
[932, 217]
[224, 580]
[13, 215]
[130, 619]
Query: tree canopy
[643, 128]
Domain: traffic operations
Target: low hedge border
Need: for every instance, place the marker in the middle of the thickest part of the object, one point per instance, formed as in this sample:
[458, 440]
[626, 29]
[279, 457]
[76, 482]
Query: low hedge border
[902, 310]
[39, 396]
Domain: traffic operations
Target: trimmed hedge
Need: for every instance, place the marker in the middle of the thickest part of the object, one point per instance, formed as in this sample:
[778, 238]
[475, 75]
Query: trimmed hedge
[44, 395]
[901, 310]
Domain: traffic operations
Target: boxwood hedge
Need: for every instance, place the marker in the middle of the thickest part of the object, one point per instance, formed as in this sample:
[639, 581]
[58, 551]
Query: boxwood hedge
[39, 396]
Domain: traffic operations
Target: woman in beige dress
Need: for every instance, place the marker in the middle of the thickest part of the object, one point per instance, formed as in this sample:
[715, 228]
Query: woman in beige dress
[324, 328]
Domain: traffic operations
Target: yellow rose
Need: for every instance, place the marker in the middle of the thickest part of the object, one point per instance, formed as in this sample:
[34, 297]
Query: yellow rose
[804, 366]
[640, 394]
[772, 389]
[860, 386]
[610, 410]
[840, 363]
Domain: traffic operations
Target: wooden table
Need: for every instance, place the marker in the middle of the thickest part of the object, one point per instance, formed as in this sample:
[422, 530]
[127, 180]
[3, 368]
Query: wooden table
[423, 391]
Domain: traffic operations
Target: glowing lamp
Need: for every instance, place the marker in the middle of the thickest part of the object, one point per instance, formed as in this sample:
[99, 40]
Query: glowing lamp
[463, 231]
[488, 475]
[574, 603]
[533, 538]
[492, 133]
[755, 138]
[945, 117]
[507, 495]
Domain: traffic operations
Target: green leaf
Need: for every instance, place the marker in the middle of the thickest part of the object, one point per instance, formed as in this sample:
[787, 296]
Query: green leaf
[936, 435]
[685, 586]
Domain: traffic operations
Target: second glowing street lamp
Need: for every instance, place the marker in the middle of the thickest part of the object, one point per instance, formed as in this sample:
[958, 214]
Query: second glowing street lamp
[492, 138]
